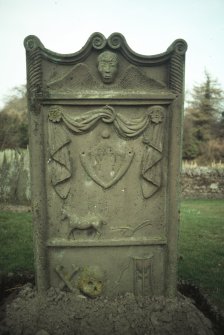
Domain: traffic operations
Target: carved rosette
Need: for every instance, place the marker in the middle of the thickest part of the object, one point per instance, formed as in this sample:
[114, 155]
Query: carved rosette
[34, 70]
[177, 66]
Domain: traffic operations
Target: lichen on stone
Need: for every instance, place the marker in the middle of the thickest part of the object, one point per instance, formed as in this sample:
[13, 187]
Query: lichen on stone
[91, 281]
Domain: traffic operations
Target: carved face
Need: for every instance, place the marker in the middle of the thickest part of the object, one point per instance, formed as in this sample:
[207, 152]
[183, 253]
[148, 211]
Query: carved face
[156, 114]
[108, 66]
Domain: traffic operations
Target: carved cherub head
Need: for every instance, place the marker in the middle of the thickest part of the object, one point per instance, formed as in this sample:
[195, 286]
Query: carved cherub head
[108, 66]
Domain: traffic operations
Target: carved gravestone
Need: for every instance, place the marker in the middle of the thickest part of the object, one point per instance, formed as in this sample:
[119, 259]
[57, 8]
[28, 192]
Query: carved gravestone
[105, 140]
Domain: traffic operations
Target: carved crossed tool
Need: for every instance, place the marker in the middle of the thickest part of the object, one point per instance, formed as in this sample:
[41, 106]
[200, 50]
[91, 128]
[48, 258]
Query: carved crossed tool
[67, 280]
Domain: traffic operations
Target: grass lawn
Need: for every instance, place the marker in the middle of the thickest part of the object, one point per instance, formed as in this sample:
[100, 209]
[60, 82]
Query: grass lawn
[201, 245]
[16, 242]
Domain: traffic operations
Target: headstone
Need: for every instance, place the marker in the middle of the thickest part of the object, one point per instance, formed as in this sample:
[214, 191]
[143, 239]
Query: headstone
[105, 143]
[105, 140]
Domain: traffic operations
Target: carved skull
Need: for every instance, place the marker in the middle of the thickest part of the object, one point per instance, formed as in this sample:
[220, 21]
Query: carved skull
[91, 281]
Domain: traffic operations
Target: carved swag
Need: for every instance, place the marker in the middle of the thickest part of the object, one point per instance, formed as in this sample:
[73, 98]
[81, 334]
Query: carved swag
[150, 124]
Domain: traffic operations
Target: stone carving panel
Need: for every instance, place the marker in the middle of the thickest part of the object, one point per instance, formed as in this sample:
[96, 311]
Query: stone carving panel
[105, 164]
[82, 78]
[105, 134]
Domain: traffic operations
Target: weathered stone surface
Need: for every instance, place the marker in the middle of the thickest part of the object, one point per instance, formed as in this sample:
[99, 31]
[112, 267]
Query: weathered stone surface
[105, 134]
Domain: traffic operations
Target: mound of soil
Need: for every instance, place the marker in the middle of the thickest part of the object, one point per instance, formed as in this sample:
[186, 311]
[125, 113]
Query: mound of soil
[64, 313]
[23, 312]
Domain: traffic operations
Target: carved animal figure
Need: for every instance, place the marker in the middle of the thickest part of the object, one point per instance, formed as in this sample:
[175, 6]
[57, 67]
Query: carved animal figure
[89, 223]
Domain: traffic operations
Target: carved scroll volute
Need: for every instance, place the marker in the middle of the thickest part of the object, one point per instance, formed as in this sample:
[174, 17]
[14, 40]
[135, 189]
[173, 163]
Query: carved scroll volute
[34, 71]
[177, 62]
[98, 41]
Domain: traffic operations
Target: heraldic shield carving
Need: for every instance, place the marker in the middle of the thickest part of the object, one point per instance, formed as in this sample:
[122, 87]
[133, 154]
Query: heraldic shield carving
[105, 142]
[105, 164]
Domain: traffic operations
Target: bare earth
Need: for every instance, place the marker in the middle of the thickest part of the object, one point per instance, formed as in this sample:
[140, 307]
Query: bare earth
[63, 313]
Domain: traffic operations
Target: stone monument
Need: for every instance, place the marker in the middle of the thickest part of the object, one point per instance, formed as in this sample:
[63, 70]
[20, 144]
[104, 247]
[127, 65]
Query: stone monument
[105, 139]
[105, 147]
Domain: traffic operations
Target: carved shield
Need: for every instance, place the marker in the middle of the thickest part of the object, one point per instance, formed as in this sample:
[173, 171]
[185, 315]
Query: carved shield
[105, 164]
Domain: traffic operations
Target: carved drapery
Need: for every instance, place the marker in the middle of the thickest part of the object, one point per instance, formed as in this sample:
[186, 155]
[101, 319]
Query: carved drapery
[150, 123]
[125, 127]
[152, 157]
[60, 164]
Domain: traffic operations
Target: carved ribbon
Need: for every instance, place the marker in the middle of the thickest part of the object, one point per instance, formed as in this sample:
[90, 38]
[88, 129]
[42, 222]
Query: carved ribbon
[151, 161]
[60, 160]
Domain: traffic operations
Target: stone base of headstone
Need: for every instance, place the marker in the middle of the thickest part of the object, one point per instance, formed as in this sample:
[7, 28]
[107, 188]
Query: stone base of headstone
[64, 313]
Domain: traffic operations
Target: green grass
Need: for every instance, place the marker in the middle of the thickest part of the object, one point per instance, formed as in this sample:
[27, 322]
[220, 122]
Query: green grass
[16, 242]
[201, 245]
